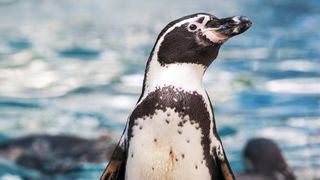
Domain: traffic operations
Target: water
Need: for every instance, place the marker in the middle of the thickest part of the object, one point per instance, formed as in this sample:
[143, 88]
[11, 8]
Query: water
[76, 67]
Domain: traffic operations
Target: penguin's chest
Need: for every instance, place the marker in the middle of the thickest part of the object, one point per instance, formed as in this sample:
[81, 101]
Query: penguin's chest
[169, 134]
[166, 145]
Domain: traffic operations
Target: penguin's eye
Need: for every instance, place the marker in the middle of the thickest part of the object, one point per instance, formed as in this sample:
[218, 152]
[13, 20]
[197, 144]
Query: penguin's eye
[193, 27]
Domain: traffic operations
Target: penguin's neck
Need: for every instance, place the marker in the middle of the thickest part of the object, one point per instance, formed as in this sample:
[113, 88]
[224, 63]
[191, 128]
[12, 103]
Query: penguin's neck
[184, 76]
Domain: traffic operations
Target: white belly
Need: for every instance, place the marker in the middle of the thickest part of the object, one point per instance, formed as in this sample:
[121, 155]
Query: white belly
[161, 149]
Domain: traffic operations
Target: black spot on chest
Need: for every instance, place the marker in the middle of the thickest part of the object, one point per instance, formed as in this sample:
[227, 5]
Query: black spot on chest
[184, 103]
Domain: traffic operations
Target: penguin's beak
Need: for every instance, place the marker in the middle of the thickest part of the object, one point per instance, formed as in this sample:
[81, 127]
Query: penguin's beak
[228, 27]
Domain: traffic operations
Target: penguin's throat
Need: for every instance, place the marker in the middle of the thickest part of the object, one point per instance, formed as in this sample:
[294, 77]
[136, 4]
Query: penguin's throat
[185, 76]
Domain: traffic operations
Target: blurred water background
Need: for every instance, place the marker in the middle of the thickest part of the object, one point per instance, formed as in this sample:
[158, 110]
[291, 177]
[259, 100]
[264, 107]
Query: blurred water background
[76, 67]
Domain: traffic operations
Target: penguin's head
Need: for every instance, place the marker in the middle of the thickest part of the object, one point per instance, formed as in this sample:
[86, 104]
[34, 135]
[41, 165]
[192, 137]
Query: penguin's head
[196, 38]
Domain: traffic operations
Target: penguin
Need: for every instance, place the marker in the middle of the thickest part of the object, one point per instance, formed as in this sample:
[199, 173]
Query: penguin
[171, 133]
[54, 154]
[265, 161]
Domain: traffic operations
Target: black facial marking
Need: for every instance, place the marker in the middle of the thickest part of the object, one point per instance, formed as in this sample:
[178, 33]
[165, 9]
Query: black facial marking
[214, 23]
[181, 46]
[200, 20]
[197, 114]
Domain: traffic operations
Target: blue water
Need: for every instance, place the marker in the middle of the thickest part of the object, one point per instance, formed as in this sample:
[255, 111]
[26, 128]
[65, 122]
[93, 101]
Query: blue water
[76, 67]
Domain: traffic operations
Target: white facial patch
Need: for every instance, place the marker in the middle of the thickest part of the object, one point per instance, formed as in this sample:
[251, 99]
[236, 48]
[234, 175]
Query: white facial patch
[214, 36]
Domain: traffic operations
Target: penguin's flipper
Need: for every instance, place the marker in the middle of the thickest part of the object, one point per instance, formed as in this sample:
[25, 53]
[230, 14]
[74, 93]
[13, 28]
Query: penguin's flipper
[115, 170]
[226, 171]
[224, 163]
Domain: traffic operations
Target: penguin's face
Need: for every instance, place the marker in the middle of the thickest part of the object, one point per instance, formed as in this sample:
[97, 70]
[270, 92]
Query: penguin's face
[197, 38]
